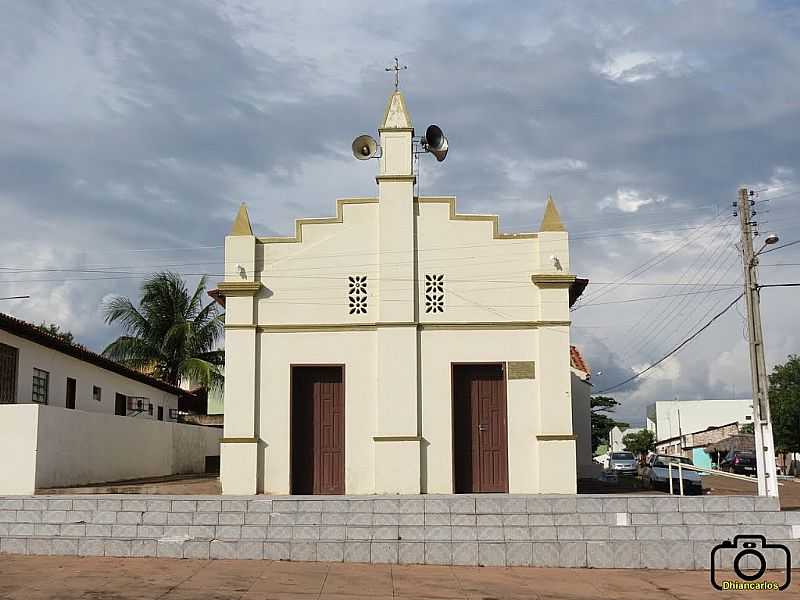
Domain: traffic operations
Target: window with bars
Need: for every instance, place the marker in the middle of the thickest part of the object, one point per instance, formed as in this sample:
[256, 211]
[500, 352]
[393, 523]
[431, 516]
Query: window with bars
[8, 374]
[41, 383]
[434, 293]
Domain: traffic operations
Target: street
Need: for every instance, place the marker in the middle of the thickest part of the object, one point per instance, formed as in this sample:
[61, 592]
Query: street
[68, 578]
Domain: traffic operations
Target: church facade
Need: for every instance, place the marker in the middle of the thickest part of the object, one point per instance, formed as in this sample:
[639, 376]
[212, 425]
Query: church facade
[399, 347]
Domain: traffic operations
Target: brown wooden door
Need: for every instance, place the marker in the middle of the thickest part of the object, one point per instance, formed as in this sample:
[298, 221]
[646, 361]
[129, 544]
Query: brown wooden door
[317, 442]
[480, 430]
[8, 374]
[120, 405]
[70, 399]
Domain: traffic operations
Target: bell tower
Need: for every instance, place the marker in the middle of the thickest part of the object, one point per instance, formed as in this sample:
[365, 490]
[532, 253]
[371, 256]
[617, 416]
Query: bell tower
[397, 435]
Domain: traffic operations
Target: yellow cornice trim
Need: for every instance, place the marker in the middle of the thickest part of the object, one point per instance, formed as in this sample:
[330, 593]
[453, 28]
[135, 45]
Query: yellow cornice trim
[298, 224]
[239, 288]
[554, 437]
[494, 219]
[409, 178]
[553, 280]
[239, 440]
[371, 326]
[397, 438]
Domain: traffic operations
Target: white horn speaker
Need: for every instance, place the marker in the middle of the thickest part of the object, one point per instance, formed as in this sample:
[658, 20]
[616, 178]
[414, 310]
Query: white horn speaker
[364, 147]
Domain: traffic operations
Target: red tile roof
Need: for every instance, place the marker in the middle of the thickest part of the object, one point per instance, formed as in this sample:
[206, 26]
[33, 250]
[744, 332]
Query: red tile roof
[577, 362]
[39, 336]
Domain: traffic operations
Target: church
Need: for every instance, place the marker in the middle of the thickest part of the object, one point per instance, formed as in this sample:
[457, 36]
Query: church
[399, 347]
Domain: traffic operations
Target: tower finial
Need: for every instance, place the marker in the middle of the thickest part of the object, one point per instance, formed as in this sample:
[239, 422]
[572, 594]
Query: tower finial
[551, 220]
[241, 224]
[396, 67]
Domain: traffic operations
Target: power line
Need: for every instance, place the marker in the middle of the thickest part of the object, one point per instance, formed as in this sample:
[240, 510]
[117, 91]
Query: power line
[676, 349]
[779, 247]
[14, 297]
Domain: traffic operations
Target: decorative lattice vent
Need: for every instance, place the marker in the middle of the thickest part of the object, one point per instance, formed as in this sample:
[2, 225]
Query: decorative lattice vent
[357, 294]
[434, 293]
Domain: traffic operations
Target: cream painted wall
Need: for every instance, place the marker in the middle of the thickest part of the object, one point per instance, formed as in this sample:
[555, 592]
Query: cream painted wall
[55, 446]
[441, 348]
[356, 350]
[582, 424]
[18, 433]
[61, 366]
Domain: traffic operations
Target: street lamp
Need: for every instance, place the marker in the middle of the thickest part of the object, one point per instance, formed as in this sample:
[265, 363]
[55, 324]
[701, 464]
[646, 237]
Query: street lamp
[772, 238]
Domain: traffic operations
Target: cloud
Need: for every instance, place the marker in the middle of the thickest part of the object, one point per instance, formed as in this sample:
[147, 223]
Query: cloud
[629, 200]
[131, 132]
[636, 65]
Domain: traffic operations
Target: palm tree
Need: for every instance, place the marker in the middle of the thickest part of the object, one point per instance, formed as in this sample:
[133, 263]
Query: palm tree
[171, 335]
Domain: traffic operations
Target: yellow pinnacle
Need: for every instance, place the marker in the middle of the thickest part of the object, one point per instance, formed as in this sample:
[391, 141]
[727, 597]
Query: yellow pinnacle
[241, 224]
[551, 220]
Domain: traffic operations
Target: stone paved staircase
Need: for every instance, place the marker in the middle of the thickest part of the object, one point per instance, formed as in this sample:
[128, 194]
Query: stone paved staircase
[608, 531]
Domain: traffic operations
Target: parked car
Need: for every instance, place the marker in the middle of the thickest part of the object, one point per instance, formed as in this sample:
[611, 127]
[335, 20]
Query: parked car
[656, 474]
[623, 463]
[741, 462]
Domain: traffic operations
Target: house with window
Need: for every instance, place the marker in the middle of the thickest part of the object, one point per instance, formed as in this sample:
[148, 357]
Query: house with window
[72, 417]
[41, 368]
[399, 347]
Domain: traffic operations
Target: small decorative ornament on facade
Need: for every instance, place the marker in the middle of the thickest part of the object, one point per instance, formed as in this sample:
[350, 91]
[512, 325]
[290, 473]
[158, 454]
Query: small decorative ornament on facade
[357, 295]
[434, 293]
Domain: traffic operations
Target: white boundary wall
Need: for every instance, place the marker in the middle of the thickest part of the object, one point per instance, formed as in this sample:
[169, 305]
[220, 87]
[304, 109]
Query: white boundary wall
[48, 446]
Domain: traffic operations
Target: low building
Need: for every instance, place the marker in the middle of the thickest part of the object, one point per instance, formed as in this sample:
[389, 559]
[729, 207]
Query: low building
[673, 418]
[705, 447]
[582, 415]
[616, 435]
[41, 368]
[71, 417]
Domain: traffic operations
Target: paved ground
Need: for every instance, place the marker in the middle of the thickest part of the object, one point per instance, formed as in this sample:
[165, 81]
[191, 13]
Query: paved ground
[68, 578]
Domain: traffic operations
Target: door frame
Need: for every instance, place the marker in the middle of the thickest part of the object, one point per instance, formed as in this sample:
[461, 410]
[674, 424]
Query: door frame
[343, 368]
[504, 367]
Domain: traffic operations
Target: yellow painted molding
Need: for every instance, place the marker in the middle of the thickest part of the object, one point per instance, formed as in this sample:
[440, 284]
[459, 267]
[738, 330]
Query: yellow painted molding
[409, 178]
[553, 280]
[396, 129]
[298, 224]
[494, 219]
[239, 288]
[241, 224]
[294, 328]
[555, 437]
[396, 438]
[551, 220]
[239, 440]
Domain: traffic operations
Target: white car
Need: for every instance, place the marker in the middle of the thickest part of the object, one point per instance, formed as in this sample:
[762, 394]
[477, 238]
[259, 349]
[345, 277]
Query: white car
[623, 463]
[656, 474]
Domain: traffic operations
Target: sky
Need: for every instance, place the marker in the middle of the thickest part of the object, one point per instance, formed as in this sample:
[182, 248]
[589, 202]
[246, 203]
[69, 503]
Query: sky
[131, 131]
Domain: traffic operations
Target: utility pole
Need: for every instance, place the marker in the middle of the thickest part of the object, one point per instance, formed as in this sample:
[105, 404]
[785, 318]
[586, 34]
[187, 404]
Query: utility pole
[762, 425]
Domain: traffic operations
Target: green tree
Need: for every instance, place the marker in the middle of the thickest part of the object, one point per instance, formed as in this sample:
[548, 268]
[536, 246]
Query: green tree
[640, 443]
[784, 404]
[55, 330]
[171, 335]
[601, 422]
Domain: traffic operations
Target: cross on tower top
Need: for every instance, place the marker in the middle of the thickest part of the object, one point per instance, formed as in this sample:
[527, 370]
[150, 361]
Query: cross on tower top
[396, 67]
